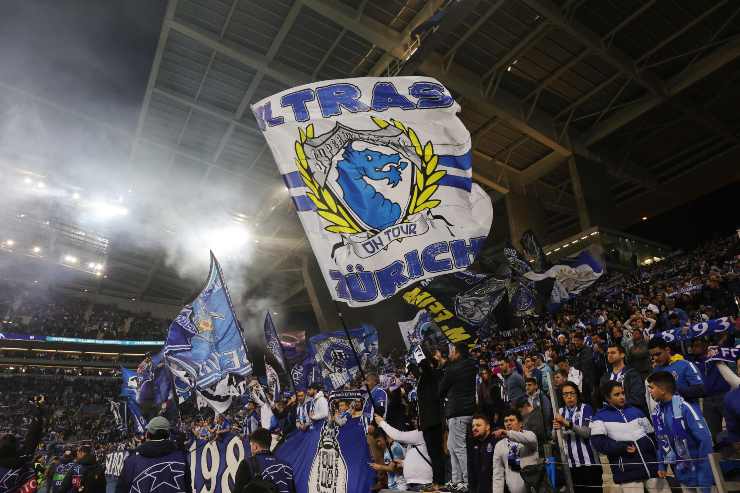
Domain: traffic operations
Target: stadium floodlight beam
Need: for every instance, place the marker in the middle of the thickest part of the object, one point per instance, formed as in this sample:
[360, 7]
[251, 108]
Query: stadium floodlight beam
[36, 249]
[105, 210]
[71, 259]
[9, 243]
[228, 240]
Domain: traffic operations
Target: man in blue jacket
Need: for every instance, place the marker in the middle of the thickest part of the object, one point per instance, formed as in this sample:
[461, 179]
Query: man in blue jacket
[157, 465]
[689, 383]
[623, 434]
[263, 466]
[683, 436]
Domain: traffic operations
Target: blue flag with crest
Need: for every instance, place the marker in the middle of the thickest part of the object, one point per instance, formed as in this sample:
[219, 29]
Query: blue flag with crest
[332, 354]
[205, 339]
[129, 390]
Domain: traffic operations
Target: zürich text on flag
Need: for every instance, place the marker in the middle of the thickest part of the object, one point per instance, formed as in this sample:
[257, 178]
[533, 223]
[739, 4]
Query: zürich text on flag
[380, 172]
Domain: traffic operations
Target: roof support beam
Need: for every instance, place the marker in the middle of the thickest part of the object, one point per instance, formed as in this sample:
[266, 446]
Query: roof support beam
[369, 29]
[593, 41]
[257, 61]
[709, 64]
[219, 114]
[421, 16]
[257, 80]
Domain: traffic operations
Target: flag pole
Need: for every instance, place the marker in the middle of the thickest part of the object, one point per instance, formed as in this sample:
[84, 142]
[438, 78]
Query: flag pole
[214, 260]
[359, 366]
[174, 389]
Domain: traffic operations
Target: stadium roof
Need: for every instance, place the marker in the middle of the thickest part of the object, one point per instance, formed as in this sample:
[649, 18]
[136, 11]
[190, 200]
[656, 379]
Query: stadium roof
[642, 88]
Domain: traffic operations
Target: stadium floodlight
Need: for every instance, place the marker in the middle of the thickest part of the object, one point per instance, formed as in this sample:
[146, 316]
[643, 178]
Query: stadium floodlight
[27, 180]
[91, 265]
[36, 249]
[40, 185]
[76, 196]
[71, 259]
[228, 239]
[9, 243]
[105, 210]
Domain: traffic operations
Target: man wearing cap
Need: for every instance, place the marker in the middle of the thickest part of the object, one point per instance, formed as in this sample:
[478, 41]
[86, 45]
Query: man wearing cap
[157, 464]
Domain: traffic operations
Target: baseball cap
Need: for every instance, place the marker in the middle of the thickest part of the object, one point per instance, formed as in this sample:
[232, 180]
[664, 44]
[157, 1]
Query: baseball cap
[158, 423]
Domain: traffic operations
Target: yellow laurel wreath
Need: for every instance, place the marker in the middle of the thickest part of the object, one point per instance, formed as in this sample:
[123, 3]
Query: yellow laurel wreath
[327, 205]
[427, 176]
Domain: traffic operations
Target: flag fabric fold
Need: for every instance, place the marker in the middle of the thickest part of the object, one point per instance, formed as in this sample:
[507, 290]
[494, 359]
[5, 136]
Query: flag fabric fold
[129, 389]
[380, 173]
[205, 340]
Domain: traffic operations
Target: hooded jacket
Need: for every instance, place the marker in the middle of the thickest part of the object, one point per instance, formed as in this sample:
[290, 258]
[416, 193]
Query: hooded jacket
[155, 465]
[16, 464]
[613, 430]
[457, 388]
[84, 476]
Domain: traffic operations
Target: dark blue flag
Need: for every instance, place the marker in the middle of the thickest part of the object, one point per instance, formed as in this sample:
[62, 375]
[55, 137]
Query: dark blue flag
[129, 390]
[154, 382]
[273, 345]
[333, 354]
[205, 339]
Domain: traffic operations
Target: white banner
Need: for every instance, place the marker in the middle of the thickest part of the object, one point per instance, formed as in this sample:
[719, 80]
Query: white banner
[380, 172]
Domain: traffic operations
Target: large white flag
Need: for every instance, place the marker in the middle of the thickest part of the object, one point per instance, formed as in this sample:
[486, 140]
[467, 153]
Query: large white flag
[380, 172]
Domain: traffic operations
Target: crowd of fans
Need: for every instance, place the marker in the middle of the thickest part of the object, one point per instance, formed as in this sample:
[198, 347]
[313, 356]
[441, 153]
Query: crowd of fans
[38, 312]
[598, 373]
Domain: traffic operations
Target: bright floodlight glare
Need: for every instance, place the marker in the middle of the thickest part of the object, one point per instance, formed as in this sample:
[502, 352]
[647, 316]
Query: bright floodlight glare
[70, 259]
[91, 265]
[104, 210]
[36, 249]
[40, 184]
[27, 180]
[76, 196]
[10, 243]
[228, 239]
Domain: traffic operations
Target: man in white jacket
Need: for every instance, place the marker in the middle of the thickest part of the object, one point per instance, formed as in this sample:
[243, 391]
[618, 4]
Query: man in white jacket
[516, 449]
[318, 406]
[417, 468]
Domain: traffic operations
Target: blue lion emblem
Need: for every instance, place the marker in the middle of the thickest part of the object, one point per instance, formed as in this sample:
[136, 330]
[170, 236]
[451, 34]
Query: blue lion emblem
[372, 207]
